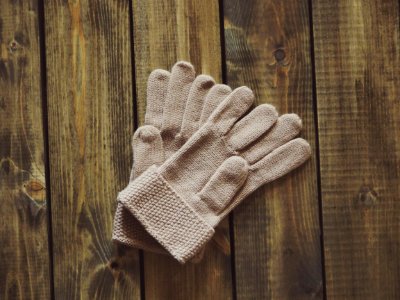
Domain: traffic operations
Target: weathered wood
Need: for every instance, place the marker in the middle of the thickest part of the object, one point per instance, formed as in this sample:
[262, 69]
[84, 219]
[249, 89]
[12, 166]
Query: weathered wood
[164, 32]
[24, 256]
[90, 115]
[171, 30]
[357, 78]
[276, 231]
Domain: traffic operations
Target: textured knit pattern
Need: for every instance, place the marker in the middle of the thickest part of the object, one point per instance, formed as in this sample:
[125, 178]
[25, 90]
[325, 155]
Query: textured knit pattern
[180, 202]
[177, 105]
[195, 178]
[127, 227]
[166, 216]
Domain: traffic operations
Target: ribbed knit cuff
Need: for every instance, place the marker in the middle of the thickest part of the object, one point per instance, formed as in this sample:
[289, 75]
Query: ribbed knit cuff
[165, 215]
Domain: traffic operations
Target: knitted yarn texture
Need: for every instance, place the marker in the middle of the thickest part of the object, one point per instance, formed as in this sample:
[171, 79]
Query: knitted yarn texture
[181, 202]
[178, 103]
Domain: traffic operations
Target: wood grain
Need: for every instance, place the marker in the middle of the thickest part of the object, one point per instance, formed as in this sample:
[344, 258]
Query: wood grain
[90, 107]
[172, 30]
[90, 115]
[24, 262]
[276, 231]
[164, 32]
[357, 78]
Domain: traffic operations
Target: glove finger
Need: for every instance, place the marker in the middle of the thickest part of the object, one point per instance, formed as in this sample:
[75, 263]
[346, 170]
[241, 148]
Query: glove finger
[252, 126]
[215, 96]
[148, 149]
[182, 77]
[157, 85]
[199, 89]
[232, 108]
[286, 128]
[280, 161]
[224, 183]
[276, 164]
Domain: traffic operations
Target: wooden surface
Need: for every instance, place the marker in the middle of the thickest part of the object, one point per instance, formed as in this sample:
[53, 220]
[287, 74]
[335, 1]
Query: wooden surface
[357, 77]
[25, 259]
[277, 244]
[73, 87]
[90, 117]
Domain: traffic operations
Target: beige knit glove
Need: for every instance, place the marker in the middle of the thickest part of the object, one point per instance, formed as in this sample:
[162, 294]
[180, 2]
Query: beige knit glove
[177, 104]
[181, 202]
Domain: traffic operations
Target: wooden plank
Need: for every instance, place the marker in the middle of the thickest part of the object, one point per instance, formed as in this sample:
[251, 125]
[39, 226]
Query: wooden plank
[24, 263]
[90, 114]
[276, 231]
[172, 30]
[164, 32]
[357, 78]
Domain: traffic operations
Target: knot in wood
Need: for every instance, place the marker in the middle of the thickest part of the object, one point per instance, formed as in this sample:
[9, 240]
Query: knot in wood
[114, 265]
[13, 46]
[367, 196]
[280, 55]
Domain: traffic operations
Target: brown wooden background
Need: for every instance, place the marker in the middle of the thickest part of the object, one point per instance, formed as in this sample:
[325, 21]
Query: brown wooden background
[72, 90]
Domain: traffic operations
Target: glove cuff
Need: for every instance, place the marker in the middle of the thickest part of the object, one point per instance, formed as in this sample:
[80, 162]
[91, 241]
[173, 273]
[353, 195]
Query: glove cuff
[165, 215]
[128, 231]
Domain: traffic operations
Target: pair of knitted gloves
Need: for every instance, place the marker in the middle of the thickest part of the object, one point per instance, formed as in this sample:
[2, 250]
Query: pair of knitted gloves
[201, 151]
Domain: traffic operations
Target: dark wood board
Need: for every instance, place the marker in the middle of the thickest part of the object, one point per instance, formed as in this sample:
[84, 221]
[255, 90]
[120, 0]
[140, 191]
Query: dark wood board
[90, 116]
[98, 55]
[357, 78]
[276, 231]
[164, 32]
[24, 262]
